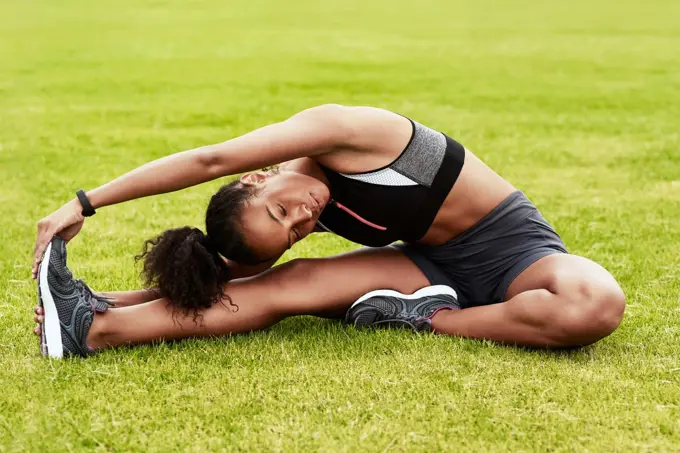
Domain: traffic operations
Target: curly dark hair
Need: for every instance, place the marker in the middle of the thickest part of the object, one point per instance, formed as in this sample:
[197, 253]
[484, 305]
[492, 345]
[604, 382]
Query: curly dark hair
[187, 266]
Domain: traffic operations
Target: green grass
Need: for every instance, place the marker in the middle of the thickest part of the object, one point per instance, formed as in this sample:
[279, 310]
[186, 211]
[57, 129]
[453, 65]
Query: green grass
[577, 103]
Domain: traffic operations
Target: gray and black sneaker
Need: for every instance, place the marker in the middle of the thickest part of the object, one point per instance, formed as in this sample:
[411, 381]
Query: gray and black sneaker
[69, 305]
[387, 308]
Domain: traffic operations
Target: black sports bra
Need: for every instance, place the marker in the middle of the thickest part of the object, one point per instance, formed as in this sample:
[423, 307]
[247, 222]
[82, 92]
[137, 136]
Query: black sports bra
[399, 201]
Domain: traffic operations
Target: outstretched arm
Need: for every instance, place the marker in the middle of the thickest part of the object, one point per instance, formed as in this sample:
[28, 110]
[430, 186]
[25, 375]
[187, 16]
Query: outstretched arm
[129, 298]
[140, 296]
[308, 133]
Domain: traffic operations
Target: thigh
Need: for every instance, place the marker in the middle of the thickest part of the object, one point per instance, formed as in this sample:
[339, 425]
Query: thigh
[559, 273]
[328, 286]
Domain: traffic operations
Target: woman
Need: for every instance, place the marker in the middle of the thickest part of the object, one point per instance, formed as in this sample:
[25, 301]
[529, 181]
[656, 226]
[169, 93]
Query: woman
[369, 175]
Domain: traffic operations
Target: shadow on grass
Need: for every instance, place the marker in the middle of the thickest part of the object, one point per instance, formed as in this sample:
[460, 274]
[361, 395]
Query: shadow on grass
[308, 336]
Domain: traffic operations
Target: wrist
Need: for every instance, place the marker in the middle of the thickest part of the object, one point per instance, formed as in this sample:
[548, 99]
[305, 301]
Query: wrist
[77, 207]
[88, 210]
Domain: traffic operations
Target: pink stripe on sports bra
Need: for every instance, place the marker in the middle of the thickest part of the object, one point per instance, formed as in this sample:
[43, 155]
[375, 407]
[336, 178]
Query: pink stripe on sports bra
[357, 216]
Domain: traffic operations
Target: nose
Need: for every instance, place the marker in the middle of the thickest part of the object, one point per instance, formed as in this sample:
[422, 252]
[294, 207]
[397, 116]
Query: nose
[308, 212]
[305, 213]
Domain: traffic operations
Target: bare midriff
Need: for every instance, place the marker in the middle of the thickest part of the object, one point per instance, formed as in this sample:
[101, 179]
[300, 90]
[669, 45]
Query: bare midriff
[476, 192]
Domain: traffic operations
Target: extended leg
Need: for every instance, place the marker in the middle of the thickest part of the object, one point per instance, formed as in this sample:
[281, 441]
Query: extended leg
[305, 286]
[559, 301]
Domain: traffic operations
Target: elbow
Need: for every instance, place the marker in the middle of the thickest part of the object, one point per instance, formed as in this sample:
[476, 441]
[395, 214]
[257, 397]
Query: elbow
[209, 160]
[328, 114]
[329, 111]
[330, 120]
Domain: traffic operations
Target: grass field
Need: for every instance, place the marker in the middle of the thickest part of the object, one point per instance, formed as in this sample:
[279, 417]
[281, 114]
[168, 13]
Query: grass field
[577, 103]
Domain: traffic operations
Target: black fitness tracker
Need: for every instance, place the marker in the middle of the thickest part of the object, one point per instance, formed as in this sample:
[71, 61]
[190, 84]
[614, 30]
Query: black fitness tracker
[88, 210]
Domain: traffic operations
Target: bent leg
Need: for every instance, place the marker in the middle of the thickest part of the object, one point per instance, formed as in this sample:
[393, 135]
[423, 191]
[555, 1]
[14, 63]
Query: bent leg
[559, 301]
[299, 287]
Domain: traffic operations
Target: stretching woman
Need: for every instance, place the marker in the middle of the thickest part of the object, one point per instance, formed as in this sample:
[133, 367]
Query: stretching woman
[367, 174]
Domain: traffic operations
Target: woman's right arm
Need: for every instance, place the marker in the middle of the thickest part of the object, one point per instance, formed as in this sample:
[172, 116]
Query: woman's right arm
[311, 132]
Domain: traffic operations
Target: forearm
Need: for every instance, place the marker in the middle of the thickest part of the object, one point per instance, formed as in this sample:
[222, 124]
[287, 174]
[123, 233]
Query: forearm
[140, 296]
[167, 174]
[129, 298]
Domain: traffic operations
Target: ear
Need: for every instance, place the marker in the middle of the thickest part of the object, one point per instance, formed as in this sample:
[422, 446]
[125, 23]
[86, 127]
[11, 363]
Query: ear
[253, 179]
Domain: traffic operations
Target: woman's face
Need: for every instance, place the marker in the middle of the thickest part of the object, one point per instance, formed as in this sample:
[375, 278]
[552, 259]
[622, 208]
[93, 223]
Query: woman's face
[285, 210]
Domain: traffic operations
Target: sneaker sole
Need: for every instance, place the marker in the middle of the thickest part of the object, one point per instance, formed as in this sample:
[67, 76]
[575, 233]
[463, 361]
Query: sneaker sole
[422, 292]
[51, 345]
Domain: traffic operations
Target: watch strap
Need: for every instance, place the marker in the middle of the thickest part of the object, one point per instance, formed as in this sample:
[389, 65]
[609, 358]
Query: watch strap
[88, 210]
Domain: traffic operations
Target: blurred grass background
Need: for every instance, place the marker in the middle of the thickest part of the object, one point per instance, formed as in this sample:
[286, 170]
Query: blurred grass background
[576, 103]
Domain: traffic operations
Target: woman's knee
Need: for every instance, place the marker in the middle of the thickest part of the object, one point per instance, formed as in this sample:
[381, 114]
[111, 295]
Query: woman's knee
[592, 310]
[287, 283]
[288, 273]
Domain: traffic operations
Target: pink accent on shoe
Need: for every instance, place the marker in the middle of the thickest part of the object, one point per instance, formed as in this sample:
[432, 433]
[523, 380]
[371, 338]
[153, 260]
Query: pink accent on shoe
[440, 309]
[358, 217]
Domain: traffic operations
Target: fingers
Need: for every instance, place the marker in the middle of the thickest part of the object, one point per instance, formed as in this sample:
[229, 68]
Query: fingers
[65, 221]
[39, 318]
[39, 315]
[41, 242]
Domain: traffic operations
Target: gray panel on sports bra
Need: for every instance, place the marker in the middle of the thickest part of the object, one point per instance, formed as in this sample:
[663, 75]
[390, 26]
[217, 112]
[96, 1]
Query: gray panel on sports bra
[423, 157]
[384, 177]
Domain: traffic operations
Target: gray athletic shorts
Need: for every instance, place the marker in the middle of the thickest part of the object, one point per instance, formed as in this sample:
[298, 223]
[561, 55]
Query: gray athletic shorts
[481, 262]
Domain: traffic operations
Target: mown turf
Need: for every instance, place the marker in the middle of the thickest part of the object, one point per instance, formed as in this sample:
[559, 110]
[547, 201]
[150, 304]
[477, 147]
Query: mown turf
[577, 103]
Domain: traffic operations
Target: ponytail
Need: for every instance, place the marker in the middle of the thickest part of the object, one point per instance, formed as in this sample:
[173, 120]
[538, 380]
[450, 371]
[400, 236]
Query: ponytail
[184, 265]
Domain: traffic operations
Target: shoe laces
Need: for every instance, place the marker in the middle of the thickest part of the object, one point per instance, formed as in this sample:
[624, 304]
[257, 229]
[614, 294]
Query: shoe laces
[98, 303]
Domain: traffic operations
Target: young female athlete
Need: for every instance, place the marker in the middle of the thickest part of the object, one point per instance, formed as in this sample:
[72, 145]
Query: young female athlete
[470, 241]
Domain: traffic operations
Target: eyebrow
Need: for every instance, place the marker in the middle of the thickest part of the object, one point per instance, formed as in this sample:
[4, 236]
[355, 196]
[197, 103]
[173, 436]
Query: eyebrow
[271, 214]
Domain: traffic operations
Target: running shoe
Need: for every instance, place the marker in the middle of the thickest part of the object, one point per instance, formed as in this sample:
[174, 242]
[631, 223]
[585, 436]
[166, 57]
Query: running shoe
[68, 304]
[387, 308]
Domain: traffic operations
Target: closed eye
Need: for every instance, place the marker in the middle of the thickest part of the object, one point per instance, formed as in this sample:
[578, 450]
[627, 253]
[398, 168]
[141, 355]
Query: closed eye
[283, 210]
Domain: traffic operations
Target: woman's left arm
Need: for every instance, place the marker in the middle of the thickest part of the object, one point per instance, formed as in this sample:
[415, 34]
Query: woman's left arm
[128, 298]
[311, 132]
